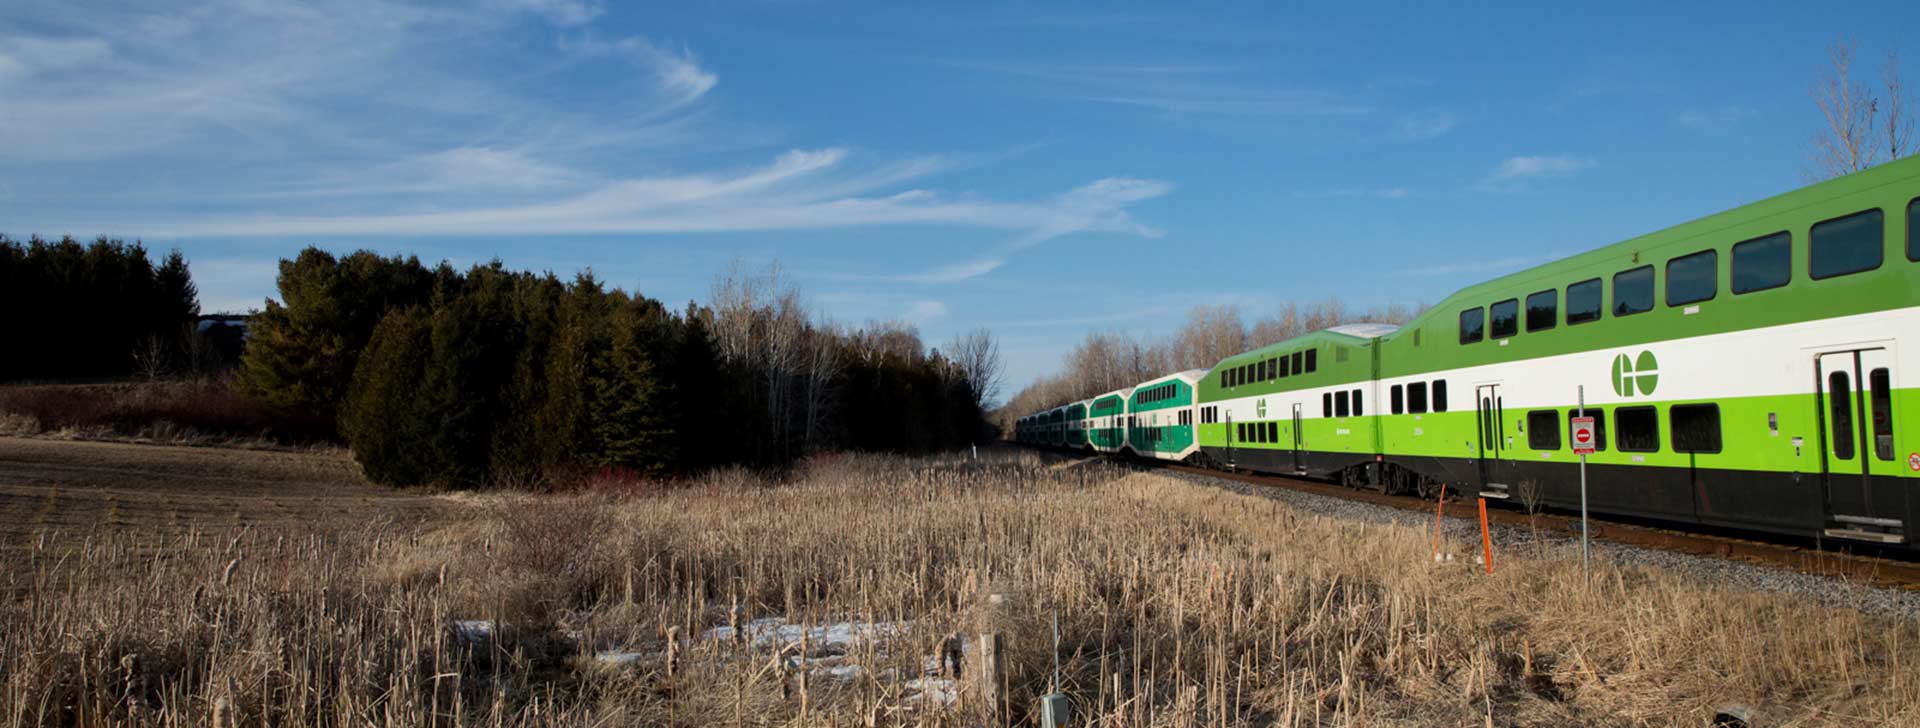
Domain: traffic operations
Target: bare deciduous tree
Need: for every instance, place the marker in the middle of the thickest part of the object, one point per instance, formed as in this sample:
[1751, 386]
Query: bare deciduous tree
[1899, 124]
[1106, 361]
[152, 358]
[1855, 130]
[976, 358]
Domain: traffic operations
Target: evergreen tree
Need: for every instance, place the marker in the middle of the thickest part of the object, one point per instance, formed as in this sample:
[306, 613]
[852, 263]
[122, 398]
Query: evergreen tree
[384, 419]
[624, 404]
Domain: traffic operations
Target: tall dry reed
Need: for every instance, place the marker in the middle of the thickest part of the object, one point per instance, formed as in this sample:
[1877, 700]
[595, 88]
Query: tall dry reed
[1177, 605]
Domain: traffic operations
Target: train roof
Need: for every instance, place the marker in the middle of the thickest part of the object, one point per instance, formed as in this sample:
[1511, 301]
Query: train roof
[1657, 246]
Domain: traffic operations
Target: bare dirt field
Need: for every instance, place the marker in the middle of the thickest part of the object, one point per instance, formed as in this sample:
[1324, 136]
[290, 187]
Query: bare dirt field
[62, 492]
[200, 586]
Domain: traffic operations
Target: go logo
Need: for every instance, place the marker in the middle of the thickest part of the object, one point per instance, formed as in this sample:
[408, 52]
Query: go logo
[1640, 374]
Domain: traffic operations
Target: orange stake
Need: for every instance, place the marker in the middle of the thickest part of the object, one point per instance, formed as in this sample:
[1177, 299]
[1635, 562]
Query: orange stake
[1486, 540]
[1439, 506]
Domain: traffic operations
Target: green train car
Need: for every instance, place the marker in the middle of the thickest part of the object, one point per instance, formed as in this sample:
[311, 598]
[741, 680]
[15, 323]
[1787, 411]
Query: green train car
[1161, 416]
[1106, 421]
[1743, 370]
[1297, 407]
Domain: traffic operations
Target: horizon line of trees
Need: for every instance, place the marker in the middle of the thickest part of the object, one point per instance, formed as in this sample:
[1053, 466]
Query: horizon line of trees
[1111, 360]
[95, 310]
[492, 376]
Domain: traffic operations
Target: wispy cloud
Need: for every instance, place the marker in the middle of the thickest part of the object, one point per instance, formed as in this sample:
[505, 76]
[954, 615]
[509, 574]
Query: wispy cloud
[797, 191]
[1176, 88]
[1715, 120]
[1101, 206]
[1379, 193]
[561, 12]
[674, 69]
[1431, 125]
[1136, 314]
[924, 312]
[1520, 174]
[1496, 265]
[1534, 167]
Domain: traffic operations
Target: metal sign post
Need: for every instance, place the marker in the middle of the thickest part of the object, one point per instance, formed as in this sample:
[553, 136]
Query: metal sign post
[1583, 444]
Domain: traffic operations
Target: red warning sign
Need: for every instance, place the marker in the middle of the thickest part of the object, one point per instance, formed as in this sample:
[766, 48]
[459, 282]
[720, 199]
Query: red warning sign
[1913, 461]
[1583, 436]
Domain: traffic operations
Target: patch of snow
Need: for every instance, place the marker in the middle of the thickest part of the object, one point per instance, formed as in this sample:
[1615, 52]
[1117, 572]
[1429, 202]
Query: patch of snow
[618, 657]
[774, 631]
[933, 690]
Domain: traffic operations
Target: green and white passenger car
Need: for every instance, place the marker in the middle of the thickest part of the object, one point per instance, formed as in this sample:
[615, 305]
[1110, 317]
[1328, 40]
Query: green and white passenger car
[1744, 369]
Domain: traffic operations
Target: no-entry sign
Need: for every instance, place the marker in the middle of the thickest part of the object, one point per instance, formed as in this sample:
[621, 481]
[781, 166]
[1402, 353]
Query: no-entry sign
[1582, 435]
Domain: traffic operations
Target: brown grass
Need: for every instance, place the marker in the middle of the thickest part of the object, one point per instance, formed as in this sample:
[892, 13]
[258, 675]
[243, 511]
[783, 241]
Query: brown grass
[196, 412]
[1177, 605]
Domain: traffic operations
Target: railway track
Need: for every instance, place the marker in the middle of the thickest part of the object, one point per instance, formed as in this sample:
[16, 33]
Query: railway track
[1866, 569]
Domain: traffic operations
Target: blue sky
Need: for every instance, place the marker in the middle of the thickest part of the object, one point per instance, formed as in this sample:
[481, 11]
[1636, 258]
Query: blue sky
[1041, 169]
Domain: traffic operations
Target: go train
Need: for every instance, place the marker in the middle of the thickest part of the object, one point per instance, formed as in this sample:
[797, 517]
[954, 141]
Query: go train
[1744, 370]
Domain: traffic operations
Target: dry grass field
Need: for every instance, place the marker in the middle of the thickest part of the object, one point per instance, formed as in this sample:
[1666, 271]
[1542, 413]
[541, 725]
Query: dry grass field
[196, 586]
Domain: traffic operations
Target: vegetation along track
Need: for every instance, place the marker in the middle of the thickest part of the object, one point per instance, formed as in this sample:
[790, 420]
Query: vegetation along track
[1871, 570]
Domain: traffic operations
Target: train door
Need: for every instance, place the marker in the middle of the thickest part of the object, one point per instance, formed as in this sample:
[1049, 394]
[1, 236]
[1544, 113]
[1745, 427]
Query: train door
[1490, 412]
[1854, 391]
[1299, 462]
[1230, 461]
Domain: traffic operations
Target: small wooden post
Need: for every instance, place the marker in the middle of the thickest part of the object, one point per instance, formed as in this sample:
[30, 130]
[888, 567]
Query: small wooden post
[992, 675]
[1439, 507]
[1486, 539]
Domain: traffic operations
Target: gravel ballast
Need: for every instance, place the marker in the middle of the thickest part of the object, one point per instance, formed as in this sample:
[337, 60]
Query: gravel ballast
[1734, 574]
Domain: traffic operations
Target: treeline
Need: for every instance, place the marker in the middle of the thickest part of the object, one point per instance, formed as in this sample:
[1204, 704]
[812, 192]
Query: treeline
[491, 376]
[95, 310]
[1104, 362]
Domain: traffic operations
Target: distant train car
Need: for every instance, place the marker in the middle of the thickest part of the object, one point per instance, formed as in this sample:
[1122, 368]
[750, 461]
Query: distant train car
[1107, 421]
[1161, 417]
[1300, 406]
[1074, 432]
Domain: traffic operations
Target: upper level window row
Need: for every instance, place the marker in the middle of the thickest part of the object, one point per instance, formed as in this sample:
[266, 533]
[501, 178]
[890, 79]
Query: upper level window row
[1841, 246]
[1280, 367]
[1156, 393]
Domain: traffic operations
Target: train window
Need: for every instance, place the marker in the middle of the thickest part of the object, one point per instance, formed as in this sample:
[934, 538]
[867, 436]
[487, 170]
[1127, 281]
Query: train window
[1439, 395]
[1472, 325]
[1273, 369]
[1599, 425]
[1638, 429]
[1762, 263]
[1273, 432]
[1340, 407]
[1913, 229]
[1692, 278]
[1543, 430]
[1583, 302]
[1311, 355]
[1880, 393]
[1326, 404]
[1543, 310]
[1241, 430]
[1845, 245]
[1696, 427]
[1633, 291]
[1840, 404]
[1398, 398]
[1417, 398]
[1284, 360]
[1506, 318]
